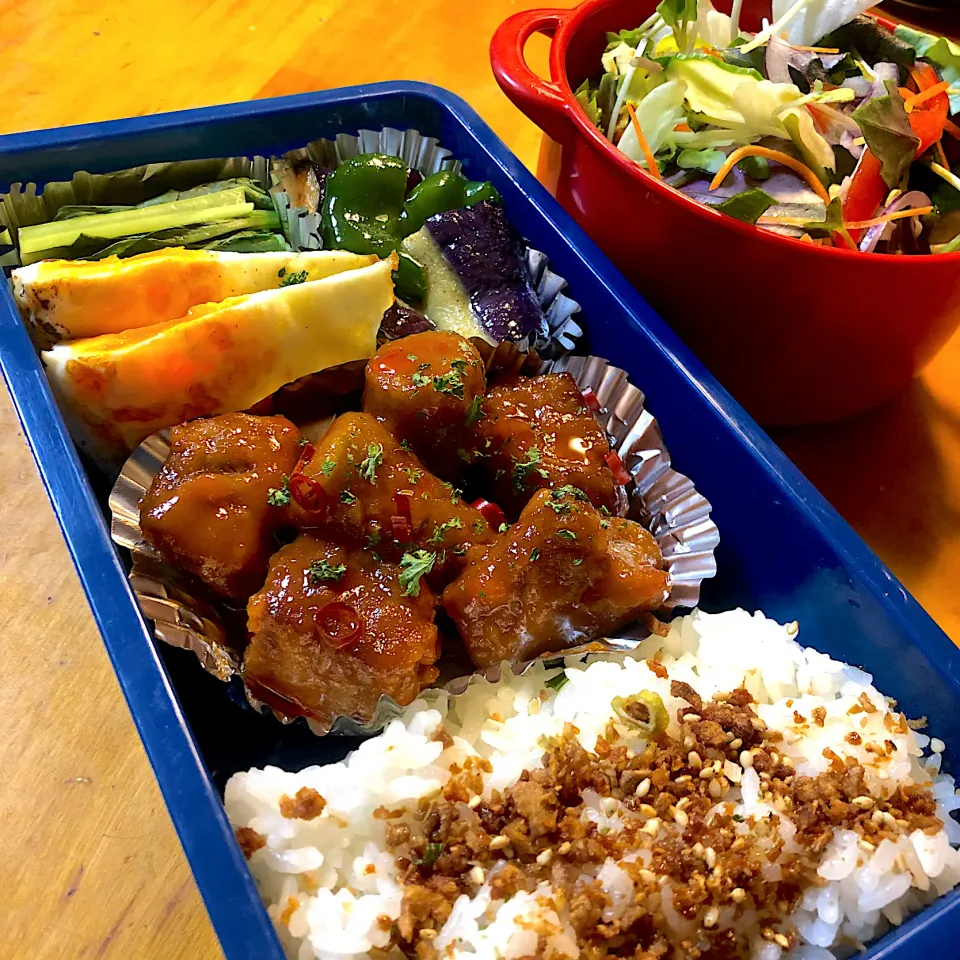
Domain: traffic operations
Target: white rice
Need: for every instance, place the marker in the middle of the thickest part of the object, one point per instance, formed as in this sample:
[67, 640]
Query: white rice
[328, 881]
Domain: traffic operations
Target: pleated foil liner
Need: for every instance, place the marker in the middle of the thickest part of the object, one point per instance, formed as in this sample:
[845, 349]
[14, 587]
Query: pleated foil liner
[663, 500]
[559, 332]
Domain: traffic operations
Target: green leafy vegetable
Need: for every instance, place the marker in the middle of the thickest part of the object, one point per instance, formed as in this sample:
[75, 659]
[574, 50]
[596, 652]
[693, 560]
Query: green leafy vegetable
[454, 523]
[873, 43]
[413, 567]
[748, 206]
[431, 854]
[370, 463]
[558, 682]
[586, 96]
[756, 168]
[328, 466]
[279, 496]
[320, 571]
[474, 411]
[523, 468]
[709, 161]
[450, 383]
[944, 53]
[832, 223]
[291, 279]
[347, 497]
[886, 128]
[566, 535]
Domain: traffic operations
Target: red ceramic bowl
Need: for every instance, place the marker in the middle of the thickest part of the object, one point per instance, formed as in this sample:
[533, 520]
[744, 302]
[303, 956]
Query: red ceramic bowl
[798, 333]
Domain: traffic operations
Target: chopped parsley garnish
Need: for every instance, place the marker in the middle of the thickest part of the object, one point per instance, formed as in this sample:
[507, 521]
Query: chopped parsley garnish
[419, 380]
[450, 383]
[405, 445]
[578, 561]
[279, 496]
[293, 278]
[413, 475]
[523, 468]
[535, 553]
[452, 524]
[281, 273]
[567, 534]
[369, 464]
[414, 566]
[569, 491]
[464, 455]
[558, 682]
[373, 538]
[738, 818]
[303, 441]
[479, 526]
[604, 510]
[347, 497]
[321, 571]
[503, 528]
[411, 358]
[328, 466]
[459, 365]
[431, 854]
[475, 412]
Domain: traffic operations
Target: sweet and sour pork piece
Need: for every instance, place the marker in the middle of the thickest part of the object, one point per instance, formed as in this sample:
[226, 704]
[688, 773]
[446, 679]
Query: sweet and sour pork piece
[427, 389]
[208, 509]
[562, 574]
[334, 628]
[368, 490]
[537, 432]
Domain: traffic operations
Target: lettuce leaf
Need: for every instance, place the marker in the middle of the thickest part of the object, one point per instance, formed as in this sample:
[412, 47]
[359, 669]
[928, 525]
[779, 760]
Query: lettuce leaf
[873, 43]
[658, 113]
[587, 98]
[748, 206]
[814, 18]
[709, 161]
[886, 128]
[940, 51]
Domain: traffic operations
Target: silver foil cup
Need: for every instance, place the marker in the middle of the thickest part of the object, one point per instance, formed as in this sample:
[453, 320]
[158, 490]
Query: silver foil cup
[663, 500]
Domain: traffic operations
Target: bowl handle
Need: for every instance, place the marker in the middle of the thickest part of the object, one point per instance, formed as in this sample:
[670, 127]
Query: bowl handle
[541, 100]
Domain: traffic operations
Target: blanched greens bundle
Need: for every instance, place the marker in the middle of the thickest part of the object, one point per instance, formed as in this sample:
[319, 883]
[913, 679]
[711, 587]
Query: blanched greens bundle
[823, 126]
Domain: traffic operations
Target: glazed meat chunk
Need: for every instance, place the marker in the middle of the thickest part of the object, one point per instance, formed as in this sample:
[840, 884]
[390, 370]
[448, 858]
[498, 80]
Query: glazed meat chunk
[334, 628]
[537, 432]
[426, 390]
[208, 509]
[561, 575]
[375, 493]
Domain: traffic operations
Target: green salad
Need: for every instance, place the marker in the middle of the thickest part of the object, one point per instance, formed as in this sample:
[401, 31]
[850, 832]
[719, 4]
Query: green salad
[824, 126]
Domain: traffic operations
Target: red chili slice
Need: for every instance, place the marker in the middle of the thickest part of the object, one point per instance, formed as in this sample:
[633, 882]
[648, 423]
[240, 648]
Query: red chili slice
[401, 529]
[590, 399]
[307, 493]
[306, 455]
[490, 512]
[619, 470]
[340, 625]
[401, 500]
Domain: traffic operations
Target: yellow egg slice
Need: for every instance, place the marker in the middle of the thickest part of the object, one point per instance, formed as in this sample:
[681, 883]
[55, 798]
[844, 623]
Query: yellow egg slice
[68, 299]
[220, 357]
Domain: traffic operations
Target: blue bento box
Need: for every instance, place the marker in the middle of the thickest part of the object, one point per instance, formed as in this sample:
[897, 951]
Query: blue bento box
[783, 548]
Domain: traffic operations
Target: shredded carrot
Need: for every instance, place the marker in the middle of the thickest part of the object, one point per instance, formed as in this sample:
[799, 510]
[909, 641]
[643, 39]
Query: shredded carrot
[802, 170]
[941, 156]
[682, 128]
[652, 167]
[818, 49]
[912, 102]
[888, 217]
[950, 127]
[920, 77]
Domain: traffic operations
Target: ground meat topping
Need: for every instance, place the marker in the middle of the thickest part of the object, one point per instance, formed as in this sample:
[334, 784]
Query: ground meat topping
[306, 805]
[250, 841]
[559, 823]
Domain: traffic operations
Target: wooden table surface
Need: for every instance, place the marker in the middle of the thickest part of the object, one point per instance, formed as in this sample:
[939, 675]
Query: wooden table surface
[90, 866]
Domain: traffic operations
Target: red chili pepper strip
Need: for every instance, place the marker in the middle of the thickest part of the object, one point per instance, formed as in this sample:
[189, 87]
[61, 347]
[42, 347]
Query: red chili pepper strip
[490, 512]
[307, 493]
[620, 473]
[306, 455]
[590, 399]
[339, 624]
[866, 193]
[401, 500]
[927, 118]
[401, 528]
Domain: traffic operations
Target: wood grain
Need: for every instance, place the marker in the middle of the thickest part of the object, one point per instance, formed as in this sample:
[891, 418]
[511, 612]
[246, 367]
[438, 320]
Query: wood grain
[89, 863]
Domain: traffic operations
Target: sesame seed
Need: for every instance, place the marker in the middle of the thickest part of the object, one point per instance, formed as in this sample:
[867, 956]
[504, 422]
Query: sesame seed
[643, 788]
[652, 826]
[716, 789]
[647, 876]
[779, 938]
[698, 848]
[686, 778]
[692, 717]
[746, 759]
[711, 857]
[682, 802]
[864, 803]
[711, 917]
[681, 817]
[937, 745]
[736, 744]
[645, 810]
[867, 845]
[707, 772]
[609, 805]
[545, 857]
[477, 875]
[738, 895]
[564, 848]
[693, 760]
[499, 842]
[475, 802]
[792, 628]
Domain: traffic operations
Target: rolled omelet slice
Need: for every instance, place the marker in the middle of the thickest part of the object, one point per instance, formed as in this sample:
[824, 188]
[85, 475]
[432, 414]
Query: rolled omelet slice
[69, 299]
[218, 358]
